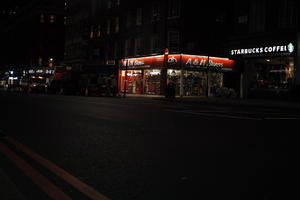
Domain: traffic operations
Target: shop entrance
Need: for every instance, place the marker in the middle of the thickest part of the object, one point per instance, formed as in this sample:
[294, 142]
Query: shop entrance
[144, 81]
[271, 76]
[134, 80]
[195, 83]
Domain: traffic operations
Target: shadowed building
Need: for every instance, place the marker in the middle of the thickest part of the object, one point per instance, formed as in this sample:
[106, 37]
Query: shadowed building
[265, 41]
[119, 29]
[32, 39]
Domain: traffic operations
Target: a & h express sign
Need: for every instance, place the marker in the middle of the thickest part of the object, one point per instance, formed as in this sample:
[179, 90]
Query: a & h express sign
[284, 49]
[179, 61]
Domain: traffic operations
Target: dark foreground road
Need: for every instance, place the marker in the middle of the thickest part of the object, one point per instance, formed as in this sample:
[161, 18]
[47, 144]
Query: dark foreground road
[147, 149]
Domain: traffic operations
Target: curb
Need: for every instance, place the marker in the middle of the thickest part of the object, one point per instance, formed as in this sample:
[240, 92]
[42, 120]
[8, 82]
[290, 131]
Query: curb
[236, 103]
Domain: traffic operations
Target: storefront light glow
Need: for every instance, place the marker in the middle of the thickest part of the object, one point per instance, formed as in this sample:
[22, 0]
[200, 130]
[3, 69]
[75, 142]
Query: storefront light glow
[154, 73]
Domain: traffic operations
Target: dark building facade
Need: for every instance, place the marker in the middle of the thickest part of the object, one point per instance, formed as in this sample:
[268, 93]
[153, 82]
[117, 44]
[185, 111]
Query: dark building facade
[119, 30]
[265, 43]
[33, 37]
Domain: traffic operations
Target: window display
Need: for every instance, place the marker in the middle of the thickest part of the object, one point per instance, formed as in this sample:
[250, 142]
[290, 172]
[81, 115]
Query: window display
[152, 79]
[195, 83]
[216, 81]
[174, 77]
[134, 83]
[275, 73]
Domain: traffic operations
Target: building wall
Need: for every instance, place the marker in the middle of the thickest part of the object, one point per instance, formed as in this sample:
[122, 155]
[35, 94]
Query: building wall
[259, 23]
[30, 41]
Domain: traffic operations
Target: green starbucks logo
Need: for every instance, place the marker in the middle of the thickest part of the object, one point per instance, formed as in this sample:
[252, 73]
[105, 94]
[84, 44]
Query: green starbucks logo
[291, 47]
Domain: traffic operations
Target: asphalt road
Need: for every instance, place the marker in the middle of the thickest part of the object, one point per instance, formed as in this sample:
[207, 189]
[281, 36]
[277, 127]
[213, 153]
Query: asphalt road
[140, 148]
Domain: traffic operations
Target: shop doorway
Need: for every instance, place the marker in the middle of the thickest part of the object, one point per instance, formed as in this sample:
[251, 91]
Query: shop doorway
[195, 83]
[152, 78]
[271, 76]
[134, 80]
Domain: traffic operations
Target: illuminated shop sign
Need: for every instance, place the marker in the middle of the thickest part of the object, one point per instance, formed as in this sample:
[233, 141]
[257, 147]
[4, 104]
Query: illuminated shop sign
[179, 61]
[289, 48]
[144, 62]
[40, 71]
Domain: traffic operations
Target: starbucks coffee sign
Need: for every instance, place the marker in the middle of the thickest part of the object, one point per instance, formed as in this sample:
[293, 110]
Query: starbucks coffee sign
[289, 48]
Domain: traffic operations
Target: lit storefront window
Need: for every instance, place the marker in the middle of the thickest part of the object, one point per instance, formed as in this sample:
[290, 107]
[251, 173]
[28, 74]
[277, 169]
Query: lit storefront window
[189, 74]
[195, 83]
[272, 73]
[152, 79]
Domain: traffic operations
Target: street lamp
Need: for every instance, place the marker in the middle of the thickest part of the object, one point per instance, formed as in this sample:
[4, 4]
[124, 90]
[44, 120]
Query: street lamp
[207, 77]
[125, 81]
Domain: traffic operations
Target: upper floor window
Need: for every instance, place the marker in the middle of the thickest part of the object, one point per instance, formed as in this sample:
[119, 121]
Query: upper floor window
[154, 46]
[66, 5]
[52, 19]
[173, 40]
[99, 30]
[109, 4]
[117, 25]
[115, 50]
[174, 8]
[91, 32]
[65, 20]
[127, 47]
[42, 18]
[129, 19]
[137, 46]
[139, 16]
[288, 16]
[242, 19]
[155, 12]
[113, 3]
[116, 3]
[108, 27]
[257, 16]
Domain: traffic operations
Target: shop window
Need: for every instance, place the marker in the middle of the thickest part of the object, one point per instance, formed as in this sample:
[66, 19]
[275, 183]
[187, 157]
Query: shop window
[272, 73]
[173, 76]
[134, 83]
[152, 79]
[195, 83]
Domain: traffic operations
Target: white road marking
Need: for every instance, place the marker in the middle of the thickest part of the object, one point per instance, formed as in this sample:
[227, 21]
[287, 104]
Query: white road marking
[282, 118]
[216, 114]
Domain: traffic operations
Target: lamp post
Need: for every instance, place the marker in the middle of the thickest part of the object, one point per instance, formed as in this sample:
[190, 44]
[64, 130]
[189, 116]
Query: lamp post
[207, 79]
[125, 81]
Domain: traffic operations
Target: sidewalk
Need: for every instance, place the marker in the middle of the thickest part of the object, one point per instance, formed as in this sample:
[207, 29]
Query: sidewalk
[8, 190]
[266, 103]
